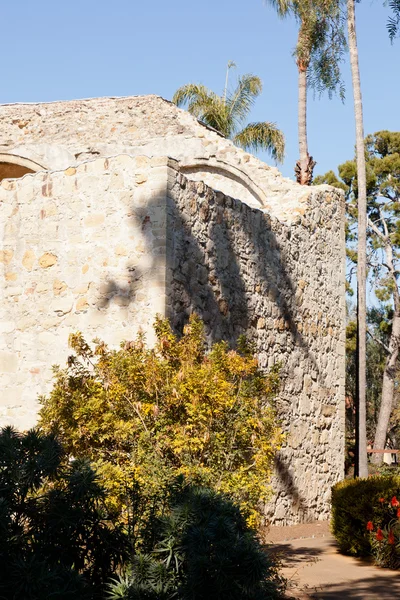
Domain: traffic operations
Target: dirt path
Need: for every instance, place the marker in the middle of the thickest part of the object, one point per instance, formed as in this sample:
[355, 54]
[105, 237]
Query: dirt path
[315, 569]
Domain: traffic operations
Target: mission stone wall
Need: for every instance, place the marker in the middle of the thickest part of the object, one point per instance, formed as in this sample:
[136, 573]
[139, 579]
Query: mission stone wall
[103, 246]
[57, 135]
[283, 285]
[81, 250]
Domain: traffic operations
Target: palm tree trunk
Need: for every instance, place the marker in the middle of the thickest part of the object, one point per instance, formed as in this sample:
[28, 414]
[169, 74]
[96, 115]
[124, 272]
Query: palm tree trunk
[305, 165]
[362, 244]
[389, 374]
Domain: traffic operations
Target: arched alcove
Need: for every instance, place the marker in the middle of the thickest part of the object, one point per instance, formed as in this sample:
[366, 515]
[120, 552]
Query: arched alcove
[13, 166]
[226, 178]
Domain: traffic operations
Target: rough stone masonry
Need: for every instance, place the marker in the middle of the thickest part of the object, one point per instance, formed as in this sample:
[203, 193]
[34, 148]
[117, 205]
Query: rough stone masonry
[100, 230]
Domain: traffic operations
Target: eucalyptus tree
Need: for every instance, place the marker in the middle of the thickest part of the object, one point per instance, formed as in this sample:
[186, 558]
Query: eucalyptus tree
[319, 51]
[226, 114]
[382, 152]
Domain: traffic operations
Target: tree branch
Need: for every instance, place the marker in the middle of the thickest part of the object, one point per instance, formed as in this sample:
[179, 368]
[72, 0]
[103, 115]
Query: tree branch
[375, 229]
[378, 341]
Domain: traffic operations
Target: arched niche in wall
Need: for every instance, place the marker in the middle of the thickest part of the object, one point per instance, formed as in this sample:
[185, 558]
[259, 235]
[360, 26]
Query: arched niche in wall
[225, 178]
[13, 166]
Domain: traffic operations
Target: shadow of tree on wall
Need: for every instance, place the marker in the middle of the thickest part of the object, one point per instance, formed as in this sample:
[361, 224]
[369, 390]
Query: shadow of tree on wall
[298, 501]
[207, 276]
[204, 275]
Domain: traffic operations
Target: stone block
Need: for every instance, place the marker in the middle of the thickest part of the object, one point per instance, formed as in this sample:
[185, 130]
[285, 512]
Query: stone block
[6, 256]
[94, 220]
[8, 362]
[47, 260]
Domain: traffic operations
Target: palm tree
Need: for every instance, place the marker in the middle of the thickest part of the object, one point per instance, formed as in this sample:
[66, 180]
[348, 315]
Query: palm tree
[319, 50]
[362, 461]
[226, 114]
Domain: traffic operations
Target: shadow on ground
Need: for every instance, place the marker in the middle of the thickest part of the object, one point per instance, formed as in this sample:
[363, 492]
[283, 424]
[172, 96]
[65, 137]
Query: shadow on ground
[379, 587]
[315, 570]
[290, 556]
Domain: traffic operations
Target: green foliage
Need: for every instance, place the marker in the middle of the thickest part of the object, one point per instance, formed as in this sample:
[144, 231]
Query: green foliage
[384, 533]
[226, 114]
[321, 41]
[382, 151]
[203, 550]
[379, 328]
[149, 415]
[393, 24]
[56, 539]
[355, 502]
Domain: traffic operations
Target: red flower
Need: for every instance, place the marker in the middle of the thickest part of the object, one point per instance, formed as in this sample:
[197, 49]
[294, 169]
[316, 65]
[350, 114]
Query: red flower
[391, 539]
[370, 526]
[379, 535]
[381, 500]
[394, 501]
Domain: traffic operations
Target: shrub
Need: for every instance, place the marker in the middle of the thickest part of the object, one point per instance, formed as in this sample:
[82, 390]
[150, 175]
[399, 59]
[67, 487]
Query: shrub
[55, 537]
[355, 502]
[384, 533]
[150, 415]
[203, 549]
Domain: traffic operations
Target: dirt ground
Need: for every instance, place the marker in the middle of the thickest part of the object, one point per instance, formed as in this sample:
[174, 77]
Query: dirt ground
[316, 571]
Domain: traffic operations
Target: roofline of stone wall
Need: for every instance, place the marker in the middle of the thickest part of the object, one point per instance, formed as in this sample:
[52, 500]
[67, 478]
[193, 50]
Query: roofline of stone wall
[100, 98]
[105, 98]
[255, 168]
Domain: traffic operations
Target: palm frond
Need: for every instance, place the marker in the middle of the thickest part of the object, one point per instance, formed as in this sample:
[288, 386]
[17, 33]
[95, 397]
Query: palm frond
[203, 104]
[226, 115]
[215, 114]
[196, 96]
[393, 24]
[262, 136]
[282, 7]
[242, 99]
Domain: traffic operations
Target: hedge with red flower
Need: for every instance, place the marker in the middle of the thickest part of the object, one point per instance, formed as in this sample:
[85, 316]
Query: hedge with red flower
[385, 541]
[362, 507]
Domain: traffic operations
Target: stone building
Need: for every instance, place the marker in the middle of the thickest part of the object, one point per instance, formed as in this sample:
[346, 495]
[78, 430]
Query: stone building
[113, 210]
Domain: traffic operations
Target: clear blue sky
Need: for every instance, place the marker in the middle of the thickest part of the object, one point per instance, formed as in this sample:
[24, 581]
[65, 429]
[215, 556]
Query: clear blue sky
[79, 49]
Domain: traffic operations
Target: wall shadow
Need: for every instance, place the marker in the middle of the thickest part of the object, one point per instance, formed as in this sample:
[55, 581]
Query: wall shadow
[204, 269]
[298, 502]
[211, 257]
[371, 588]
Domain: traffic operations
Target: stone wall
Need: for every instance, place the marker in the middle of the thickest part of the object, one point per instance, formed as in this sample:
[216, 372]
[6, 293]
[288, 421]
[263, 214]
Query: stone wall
[104, 246]
[282, 285]
[58, 135]
[80, 250]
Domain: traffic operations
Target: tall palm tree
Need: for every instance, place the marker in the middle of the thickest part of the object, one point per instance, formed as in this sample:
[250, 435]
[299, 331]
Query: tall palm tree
[362, 461]
[226, 114]
[319, 50]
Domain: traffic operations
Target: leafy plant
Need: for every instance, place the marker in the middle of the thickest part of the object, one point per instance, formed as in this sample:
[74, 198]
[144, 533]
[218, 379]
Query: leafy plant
[56, 539]
[355, 502]
[149, 415]
[203, 550]
[384, 533]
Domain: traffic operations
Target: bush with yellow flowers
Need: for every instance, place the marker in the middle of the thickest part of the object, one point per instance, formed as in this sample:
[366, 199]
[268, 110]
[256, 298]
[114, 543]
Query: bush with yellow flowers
[146, 416]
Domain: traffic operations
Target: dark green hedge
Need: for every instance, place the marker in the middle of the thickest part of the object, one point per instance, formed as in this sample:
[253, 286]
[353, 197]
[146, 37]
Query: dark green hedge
[354, 503]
